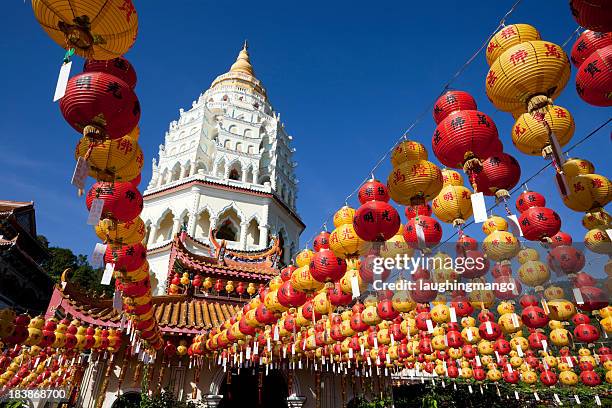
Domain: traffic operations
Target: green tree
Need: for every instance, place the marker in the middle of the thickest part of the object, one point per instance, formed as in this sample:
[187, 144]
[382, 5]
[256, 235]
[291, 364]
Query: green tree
[82, 273]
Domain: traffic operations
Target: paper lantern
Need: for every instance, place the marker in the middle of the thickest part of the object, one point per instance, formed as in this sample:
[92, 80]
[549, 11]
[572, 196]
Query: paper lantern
[525, 70]
[119, 67]
[566, 259]
[530, 133]
[326, 267]
[126, 257]
[414, 182]
[100, 106]
[129, 232]
[592, 14]
[509, 36]
[373, 190]
[561, 238]
[575, 166]
[588, 192]
[376, 221]
[498, 175]
[453, 205]
[587, 43]
[501, 245]
[303, 258]
[464, 135]
[594, 78]
[452, 101]
[412, 211]
[529, 199]
[302, 279]
[494, 223]
[432, 232]
[408, 150]
[321, 241]
[539, 223]
[598, 241]
[345, 242]
[534, 274]
[122, 201]
[100, 30]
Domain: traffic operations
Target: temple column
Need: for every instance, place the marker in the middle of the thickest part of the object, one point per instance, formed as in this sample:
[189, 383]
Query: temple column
[176, 227]
[194, 213]
[263, 236]
[255, 176]
[243, 234]
[152, 235]
[192, 169]
[184, 171]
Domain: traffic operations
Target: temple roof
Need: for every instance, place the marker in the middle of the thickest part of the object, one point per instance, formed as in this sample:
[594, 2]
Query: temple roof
[177, 314]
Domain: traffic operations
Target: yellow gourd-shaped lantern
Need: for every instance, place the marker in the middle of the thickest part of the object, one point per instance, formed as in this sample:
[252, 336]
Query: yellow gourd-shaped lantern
[575, 166]
[124, 233]
[527, 254]
[509, 36]
[595, 219]
[112, 160]
[453, 205]
[303, 258]
[346, 285]
[99, 30]
[588, 192]
[530, 133]
[527, 75]
[343, 240]
[413, 179]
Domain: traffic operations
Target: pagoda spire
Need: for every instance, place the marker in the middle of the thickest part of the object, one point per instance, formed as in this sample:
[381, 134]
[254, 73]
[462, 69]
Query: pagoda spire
[243, 63]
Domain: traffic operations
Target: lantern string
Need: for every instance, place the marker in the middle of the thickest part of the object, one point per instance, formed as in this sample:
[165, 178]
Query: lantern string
[524, 183]
[428, 108]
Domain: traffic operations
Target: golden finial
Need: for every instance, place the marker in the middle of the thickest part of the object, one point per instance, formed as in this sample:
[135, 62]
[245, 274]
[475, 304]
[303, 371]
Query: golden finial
[243, 64]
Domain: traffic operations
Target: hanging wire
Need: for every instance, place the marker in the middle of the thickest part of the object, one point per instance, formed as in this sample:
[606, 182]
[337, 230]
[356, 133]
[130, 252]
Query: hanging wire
[427, 109]
[524, 182]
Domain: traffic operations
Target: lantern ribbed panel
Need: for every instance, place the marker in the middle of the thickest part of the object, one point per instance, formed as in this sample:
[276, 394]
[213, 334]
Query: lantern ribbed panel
[373, 190]
[326, 267]
[573, 167]
[529, 199]
[130, 232]
[114, 24]
[595, 15]
[494, 223]
[509, 36]
[126, 257]
[122, 201]
[289, 296]
[594, 78]
[453, 203]
[408, 150]
[452, 101]
[301, 279]
[463, 132]
[344, 216]
[119, 67]
[588, 42]
[501, 245]
[345, 242]
[431, 230]
[414, 180]
[451, 178]
[303, 258]
[498, 172]
[530, 133]
[376, 221]
[538, 223]
[526, 70]
[134, 275]
[533, 273]
[588, 191]
[97, 98]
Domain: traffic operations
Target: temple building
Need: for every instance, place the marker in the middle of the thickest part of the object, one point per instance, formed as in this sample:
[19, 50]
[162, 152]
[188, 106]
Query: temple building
[226, 164]
[24, 285]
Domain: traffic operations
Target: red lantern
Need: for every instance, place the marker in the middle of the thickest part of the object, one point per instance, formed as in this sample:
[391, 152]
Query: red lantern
[479, 374]
[337, 297]
[489, 330]
[586, 333]
[308, 311]
[529, 199]
[534, 317]
[594, 78]
[126, 257]
[498, 174]
[321, 241]
[357, 323]
[420, 209]
[465, 243]
[566, 260]
[595, 15]
[584, 279]
[465, 134]
[454, 339]
[462, 306]
[122, 201]
[452, 101]
[325, 266]
[502, 346]
[538, 223]
[535, 340]
[561, 238]
[431, 231]
[385, 310]
[501, 269]
[368, 270]
[588, 42]
[240, 289]
[422, 295]
[590, 378]
[373, 190]
[263, 315]
[197, 282]
[593, 298]
[290, 297]
[474, 263]
[548, 378]
[376, 221]
[119, 67]
[100, 105]
[139, 288]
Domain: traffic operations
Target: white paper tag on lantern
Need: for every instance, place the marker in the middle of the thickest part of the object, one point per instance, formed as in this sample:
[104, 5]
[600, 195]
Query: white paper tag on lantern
[355, 287]
[350, 353]
[609, 232]
[489, 327]
[81, 170]
[97, 256]
[509, 367]
[569, 362]
[375, 342]
[470, 389]
[269, 344]
[516, 394]
[478, 363]
[420, 234]
[248, 353]
[519, 350]
[545, 306]
[276, 333]
[117, 301]
[95, 211]
[108, 274]
[597, 400]
[544, 345]
[392, 340]
[497, 356]
[256, 348]
[577, 399]
[556, 397]
[388, 359]
[62, 81]
[479, 207]
[514, 225]
[453, 314]
[536, 396]
[470, 336]
[578, 296]
[429, 324]
[515, 320]
[362, 348]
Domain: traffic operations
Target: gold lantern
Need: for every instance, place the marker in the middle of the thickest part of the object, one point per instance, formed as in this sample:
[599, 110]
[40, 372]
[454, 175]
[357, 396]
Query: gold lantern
[530, 133]
[453, 205]
[509, 36]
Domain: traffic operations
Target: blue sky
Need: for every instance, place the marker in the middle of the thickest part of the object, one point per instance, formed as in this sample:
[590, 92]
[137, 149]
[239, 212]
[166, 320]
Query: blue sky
[347, 77]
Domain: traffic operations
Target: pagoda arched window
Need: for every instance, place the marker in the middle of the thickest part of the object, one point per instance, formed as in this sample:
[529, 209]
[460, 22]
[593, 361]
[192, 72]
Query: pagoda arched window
[228, 231]
[249, 175]
[238, 147]
[253, 233]
[235, 172]
[164, 232]
[203, 225]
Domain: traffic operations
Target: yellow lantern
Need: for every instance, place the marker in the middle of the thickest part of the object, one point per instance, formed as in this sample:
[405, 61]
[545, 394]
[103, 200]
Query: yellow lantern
[481, 298]
[451, 178]
[509, 36]
[470, 335]
[345, 242]
[561, 309]
[527, 254]
[588, 192]
[95, 30]
[453, 205]
[408, 150]
[321, 303]
[501, 245]
[524, 71]
[303, 258]
[343, 216]
[519, 341]
[598, 241]
[414, 182]
[534, 274]
[251, 289]
[185, 279]
[559, 337]
[494, 223]
[494, 374]
[123, 233]
[568, 378]
[370, 316]
[505, 308]
[606, 324]
[440, 313]
[554, 292]
[595, 219]
[530, 133]
[573, 167]
[346, 285]
[396, 245]
[506, 323]
[529, 377]
[301, 279]
[402, 302]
